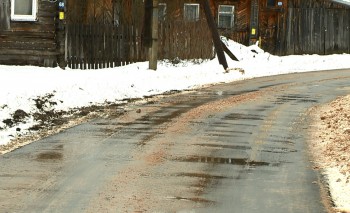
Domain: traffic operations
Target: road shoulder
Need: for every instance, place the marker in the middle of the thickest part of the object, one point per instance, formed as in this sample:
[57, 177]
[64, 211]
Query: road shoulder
[330, 148]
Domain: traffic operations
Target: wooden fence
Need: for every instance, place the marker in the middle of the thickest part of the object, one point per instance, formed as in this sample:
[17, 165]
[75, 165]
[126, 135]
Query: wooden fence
[185, 40]
[318, 31]
[94, 46]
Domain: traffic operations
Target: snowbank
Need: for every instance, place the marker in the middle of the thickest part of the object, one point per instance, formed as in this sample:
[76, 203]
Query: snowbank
[30, 90]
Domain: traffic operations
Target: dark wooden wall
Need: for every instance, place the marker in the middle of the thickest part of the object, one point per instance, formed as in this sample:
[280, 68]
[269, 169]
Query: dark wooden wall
[29, 43]
[272, 26]
[317, 27]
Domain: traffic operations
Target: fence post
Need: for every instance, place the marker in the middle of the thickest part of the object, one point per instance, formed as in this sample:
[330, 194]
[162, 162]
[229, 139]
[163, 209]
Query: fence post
[153, 52]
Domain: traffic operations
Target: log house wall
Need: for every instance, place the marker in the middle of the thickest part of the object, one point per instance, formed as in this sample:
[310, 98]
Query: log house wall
[29, 42]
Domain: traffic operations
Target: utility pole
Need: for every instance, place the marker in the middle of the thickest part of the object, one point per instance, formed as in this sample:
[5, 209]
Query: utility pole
[254, 22]
[153, 50]
[215, 34]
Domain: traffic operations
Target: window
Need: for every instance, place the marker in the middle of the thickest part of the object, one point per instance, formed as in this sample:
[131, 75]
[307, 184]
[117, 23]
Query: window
[162, 11]
[271, 3]
[23, 10]
[191, 12]
[226, 16]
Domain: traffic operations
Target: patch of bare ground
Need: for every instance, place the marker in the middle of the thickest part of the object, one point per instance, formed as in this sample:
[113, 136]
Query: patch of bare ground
[330, 148]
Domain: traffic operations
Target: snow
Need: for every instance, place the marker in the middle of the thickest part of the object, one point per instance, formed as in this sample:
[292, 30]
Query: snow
[339, 188]
[20, 86]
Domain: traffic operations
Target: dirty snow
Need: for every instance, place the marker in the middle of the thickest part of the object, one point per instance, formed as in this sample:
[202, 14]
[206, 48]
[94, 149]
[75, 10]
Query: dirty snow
[330, 146]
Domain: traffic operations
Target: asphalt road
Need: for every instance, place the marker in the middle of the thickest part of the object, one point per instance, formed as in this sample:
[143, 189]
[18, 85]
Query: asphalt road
[239, 147]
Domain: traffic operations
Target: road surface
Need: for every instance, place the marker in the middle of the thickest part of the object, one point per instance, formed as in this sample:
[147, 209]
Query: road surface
[239, 147]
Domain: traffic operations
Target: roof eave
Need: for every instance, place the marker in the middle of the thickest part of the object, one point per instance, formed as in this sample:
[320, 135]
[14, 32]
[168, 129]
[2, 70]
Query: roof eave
[347, 3]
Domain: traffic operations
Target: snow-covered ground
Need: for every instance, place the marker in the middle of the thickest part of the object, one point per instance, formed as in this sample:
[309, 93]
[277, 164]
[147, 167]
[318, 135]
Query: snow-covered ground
[27, 91]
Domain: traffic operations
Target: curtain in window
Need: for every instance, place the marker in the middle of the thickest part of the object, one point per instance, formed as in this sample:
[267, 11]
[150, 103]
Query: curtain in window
[23, 7]
[191, 12]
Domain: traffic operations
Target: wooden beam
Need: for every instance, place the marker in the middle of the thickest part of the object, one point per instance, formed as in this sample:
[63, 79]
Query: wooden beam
[215, 35]
[228, 52]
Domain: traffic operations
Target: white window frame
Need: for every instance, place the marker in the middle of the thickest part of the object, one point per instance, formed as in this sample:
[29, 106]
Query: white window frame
[31, 17]
[232, 14]
[164, 11]
[190, 18]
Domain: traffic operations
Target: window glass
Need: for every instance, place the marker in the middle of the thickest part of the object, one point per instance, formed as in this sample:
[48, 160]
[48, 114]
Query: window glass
[23, 7]
[162, 11]
[191, 12]
[23, 10]
[226, 16]
[271, 3]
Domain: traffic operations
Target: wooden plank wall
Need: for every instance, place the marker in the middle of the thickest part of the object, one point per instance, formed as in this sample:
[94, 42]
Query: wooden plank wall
[29, 43]
[318, 31]
[337, 34]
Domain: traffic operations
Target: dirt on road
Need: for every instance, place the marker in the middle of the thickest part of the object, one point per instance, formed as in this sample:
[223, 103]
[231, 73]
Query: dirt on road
[330, 147]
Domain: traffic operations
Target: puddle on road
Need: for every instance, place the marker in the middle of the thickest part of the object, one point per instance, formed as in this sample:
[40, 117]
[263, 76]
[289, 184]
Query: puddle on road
[298, 98]
[276, 150]
[193, 199]
[224, 146]
[59, 147]
[201, 175]
[233, 133]
[49, 156]
[242, 92]
[228, 124]
[283, 141]
[238, 116]
[270, 85]
[220, 160]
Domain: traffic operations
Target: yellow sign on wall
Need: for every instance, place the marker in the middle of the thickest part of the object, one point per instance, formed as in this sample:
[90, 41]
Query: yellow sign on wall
[253, 31]
[61, 15]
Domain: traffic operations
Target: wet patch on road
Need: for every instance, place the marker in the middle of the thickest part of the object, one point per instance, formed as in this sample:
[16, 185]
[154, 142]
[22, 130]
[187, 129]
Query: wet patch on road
[194, 199]
[226, 161]
[276, 150]
[239, 116]
[49, 156]
[220, 146]
[201, 175]
[295, 98]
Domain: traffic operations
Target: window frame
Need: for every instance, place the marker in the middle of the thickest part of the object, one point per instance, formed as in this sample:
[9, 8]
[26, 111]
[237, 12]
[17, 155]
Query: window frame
[232, 14]
[198, 11]
[162, 18]
[32, 17]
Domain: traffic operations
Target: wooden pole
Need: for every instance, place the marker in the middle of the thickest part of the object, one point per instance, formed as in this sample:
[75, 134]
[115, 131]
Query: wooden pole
[215, 34]
[153, 52]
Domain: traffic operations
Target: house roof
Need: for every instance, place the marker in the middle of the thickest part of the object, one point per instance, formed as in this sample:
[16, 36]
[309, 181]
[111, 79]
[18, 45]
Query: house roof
[345, 2]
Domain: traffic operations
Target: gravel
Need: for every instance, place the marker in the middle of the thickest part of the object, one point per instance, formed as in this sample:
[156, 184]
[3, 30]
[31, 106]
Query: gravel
[330, 147]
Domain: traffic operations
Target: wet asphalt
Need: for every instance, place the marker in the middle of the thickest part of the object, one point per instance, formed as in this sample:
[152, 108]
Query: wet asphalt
[250, 156]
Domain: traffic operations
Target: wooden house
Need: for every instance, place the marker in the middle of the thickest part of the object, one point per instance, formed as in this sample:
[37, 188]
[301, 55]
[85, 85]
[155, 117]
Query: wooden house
[28, 32]
[106, 33]
[281, 26]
